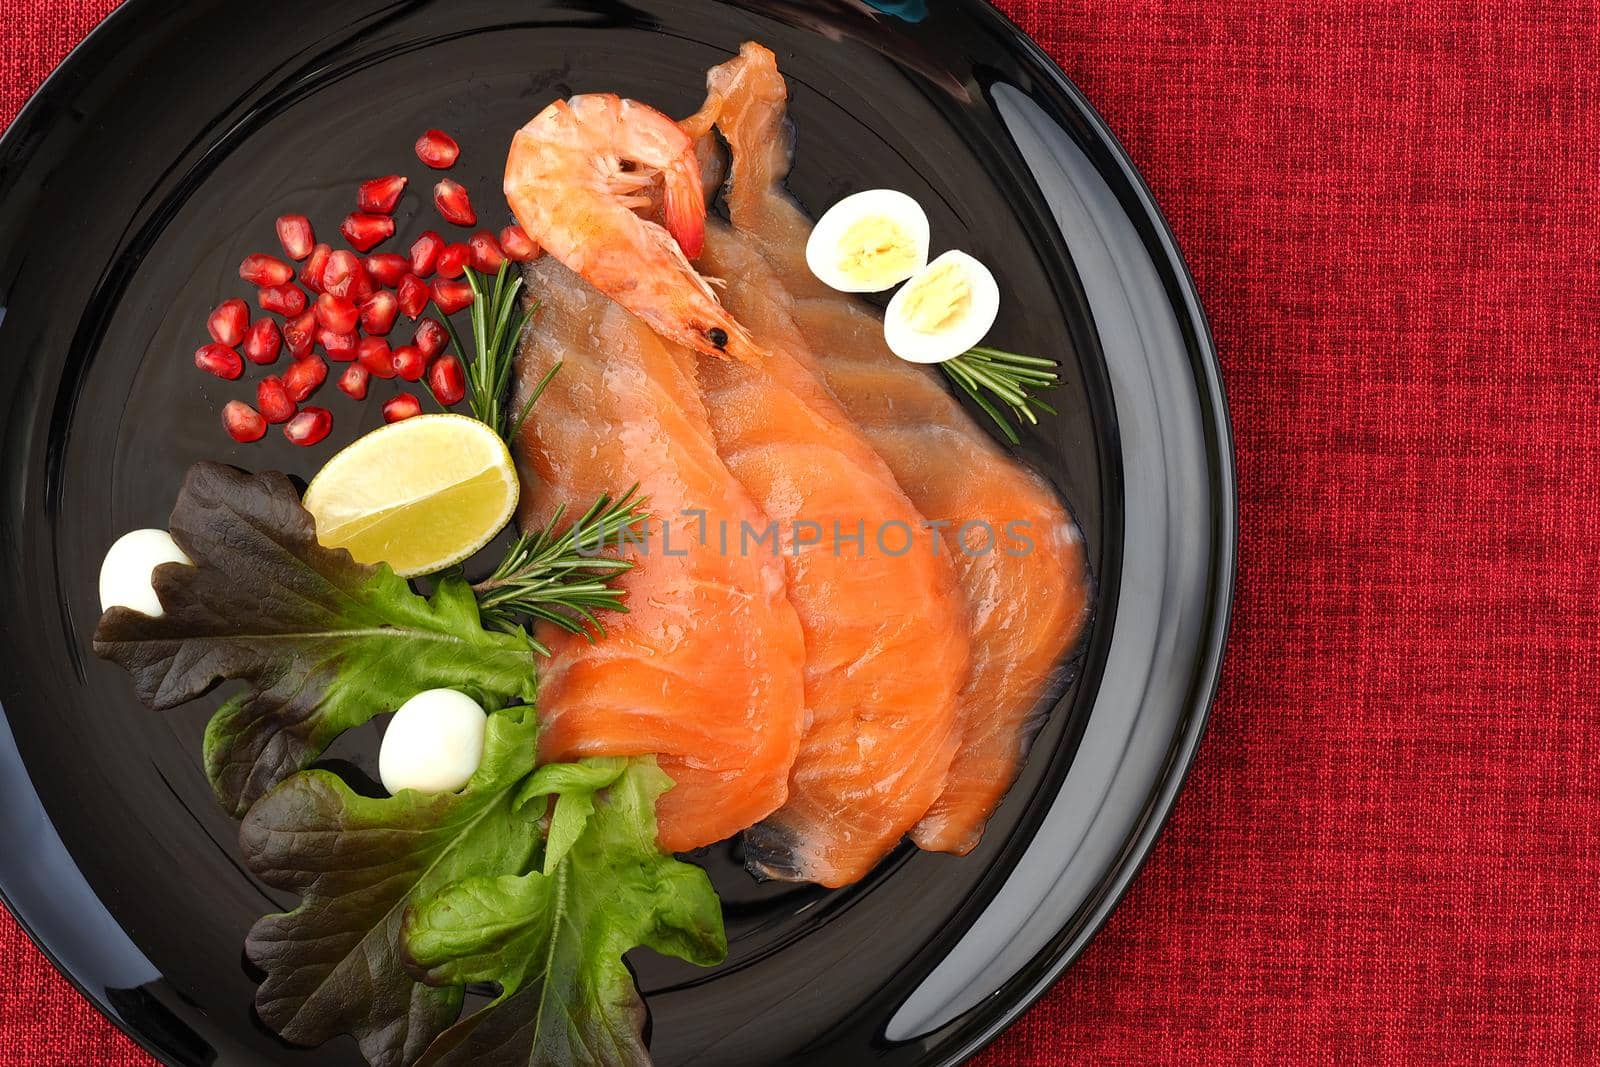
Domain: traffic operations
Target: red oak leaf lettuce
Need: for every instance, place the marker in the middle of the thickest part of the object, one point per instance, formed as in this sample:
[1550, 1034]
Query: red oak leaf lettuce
[322, 642]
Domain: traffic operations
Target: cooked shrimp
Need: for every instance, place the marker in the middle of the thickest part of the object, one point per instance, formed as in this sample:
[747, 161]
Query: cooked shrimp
[576, 178]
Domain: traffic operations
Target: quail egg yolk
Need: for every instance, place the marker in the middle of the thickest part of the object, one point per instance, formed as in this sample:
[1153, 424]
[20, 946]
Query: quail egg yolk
[876, 247]
[939, 299]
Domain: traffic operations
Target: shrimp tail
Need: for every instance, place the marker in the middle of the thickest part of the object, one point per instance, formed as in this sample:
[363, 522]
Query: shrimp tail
[683, 209]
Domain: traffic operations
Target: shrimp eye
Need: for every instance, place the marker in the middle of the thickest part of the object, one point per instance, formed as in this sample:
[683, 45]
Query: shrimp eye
[717, 336]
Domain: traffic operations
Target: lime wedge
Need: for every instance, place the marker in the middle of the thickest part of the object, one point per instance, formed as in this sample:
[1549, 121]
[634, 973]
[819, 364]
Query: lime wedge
[419, 495]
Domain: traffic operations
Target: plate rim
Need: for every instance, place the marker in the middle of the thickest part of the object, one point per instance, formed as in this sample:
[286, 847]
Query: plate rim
[1050, 964]
[38, 101]
[1047, 966]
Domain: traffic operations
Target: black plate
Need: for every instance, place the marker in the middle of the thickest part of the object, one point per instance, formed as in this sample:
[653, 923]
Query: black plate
[157, 157]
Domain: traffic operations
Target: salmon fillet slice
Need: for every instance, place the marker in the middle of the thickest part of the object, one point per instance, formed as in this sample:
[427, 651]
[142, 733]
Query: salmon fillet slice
[705, 668]
[884, 621]
[1029, 595]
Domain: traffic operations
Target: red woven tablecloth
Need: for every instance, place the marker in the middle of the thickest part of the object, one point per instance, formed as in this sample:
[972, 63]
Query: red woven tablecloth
[1387, 851]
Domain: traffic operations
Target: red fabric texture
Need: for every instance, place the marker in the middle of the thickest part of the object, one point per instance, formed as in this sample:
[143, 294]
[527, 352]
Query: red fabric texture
[1387, 851]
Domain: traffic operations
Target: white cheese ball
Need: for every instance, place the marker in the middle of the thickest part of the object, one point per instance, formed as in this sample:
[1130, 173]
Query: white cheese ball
[433, 744]
[125, 576]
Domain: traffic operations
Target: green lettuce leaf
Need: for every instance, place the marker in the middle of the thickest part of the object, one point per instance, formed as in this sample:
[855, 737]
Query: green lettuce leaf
[573, 785]
[332, 965]
[322, 642]
[537, 879]
[554, 941]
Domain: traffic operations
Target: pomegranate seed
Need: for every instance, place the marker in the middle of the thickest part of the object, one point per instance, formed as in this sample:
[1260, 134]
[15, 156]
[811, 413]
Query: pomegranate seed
[304, 377]
[258, 269]
[379, 312]
[353, 382]
[274, 401]
[438, 149]
[373, 354]
[365, 232]
[425, 253]
[336, 313]
[311, 274]
[286, 300]
[346, 277]
[220, 360]
[451, 296]
[453, 260]
[518, 246]
[431, 337]
[294, 233]
[341, 347]
[448, 380]
[486, 253]
[243, 422]
[410, 363]
[309, 427]
[401, 406]
[387, 268]
[228, 322]
[300, 333]
[261, 344]
[380, 195]
[450, 197]
[414, 296]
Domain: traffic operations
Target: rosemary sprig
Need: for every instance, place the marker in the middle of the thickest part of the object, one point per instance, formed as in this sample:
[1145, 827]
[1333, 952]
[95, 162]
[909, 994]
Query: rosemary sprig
[498, 320]
[1010, 378]
[560, 577]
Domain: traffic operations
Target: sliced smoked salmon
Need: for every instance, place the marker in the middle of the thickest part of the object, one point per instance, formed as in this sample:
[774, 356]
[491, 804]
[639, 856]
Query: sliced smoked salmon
[705, 668]
[1028, 598]
[885, 623]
